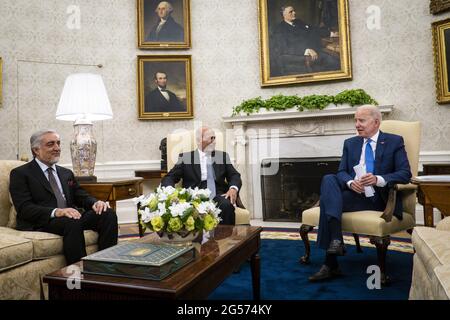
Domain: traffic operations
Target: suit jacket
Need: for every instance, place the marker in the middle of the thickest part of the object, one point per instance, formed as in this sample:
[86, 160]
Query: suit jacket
[170, 32]
[188, 169]
[155, 102]
[34, 199]
[391, 162]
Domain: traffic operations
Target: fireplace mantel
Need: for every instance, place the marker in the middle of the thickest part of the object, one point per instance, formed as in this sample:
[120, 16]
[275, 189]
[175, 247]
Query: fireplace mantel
[303, 115]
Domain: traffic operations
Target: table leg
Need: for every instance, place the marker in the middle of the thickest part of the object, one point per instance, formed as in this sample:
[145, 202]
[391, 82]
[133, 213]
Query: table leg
[255, 266]
[428, 215]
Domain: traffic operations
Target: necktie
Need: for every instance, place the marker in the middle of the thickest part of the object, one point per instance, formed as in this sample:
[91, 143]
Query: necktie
[210, 181]
[59, 196]
[369, 157]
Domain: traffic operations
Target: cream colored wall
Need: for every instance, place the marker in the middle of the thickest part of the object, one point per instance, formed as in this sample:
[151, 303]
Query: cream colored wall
[394, 64]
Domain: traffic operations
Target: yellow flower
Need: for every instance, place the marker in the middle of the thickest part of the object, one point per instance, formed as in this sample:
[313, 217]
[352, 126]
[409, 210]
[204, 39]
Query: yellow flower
[190, 224]
[153, 205]
[174, 224]
[157, 223]
[209, 222]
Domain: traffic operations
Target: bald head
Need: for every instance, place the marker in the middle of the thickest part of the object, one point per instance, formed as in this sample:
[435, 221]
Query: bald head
[205, 138]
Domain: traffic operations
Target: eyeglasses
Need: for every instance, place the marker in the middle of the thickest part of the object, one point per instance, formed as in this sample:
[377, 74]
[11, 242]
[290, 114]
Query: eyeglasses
[213, 138]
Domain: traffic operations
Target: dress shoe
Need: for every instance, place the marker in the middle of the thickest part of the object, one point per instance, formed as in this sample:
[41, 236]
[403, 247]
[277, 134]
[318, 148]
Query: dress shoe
[325, 273]
[336, 247]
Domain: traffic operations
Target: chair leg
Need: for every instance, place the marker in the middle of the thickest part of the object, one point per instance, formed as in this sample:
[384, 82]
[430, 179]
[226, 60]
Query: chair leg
[358, 246]
[304, 229]
[382, 244]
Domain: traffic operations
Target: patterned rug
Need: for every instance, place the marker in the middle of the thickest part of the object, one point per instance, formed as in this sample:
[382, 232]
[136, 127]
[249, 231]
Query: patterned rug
[397, 244]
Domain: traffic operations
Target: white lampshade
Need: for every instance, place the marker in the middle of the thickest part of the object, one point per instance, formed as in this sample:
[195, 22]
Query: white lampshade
[84, 97]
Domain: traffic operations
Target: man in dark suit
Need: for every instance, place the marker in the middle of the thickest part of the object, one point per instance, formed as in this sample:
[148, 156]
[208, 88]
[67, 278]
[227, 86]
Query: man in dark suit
[160, 99]
[46, 198]
[208, 168]
[384, 158]
[166, 30]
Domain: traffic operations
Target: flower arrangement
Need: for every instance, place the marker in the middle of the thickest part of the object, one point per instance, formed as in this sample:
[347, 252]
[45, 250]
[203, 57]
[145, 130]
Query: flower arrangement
[178, 211]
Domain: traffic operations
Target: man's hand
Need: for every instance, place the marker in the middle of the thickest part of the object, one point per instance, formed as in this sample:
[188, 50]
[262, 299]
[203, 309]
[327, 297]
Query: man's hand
[313, 54]
[100, 206]
[68, 212]
[232, 194]
[357, 186]
[368, 180]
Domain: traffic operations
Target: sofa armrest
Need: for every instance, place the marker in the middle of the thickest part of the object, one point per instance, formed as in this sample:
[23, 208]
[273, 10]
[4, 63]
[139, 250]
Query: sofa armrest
[444, 224]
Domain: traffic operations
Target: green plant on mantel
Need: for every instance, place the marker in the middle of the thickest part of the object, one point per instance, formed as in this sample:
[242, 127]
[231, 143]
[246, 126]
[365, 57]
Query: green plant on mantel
[311, 102]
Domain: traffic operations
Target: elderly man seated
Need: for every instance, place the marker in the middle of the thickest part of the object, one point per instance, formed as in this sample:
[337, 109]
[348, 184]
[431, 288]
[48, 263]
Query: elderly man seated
[206, 167]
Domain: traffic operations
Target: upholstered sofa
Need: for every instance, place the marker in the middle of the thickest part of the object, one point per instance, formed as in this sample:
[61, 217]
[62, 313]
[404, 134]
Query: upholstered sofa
[26, 256]
[431, 266]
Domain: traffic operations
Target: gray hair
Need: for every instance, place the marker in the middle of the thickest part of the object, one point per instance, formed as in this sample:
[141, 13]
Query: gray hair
[167, 4]
[36, 138]
[374, 111]
[199, 133]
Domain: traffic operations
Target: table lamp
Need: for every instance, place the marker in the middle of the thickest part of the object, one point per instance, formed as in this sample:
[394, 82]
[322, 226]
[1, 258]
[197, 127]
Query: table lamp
[83, 100]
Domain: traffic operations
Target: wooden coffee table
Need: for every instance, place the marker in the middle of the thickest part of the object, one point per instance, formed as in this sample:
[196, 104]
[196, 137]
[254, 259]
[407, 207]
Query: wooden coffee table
[216, 260]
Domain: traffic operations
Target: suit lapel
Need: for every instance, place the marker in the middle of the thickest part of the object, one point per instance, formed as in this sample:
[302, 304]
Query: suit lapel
[358, 150]
[379, 150]
[196, 162]
[37, 172]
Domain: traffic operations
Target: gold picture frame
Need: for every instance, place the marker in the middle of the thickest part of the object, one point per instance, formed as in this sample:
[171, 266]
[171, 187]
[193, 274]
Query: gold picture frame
[285, 53]
[441, 49]
[174, 33]
[1, 82]
[438, 6]
[164, 87]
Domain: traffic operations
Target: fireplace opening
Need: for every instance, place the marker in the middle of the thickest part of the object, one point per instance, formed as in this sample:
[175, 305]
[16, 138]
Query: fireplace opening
[294, 188]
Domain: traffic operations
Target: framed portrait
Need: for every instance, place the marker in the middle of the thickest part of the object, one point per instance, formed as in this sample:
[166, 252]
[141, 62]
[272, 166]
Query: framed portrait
[304, 41]
[164, 87]
[438, 6]
[163, 24]
[441, 48]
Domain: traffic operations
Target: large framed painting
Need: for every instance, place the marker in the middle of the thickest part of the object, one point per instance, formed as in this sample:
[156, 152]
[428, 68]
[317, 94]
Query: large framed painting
[441, 48]
[438, 6]
[303, 41]
[164, 87]
[164, 24]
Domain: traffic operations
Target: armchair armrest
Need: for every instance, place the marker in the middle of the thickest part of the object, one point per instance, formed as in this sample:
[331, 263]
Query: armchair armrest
[239, 203]
[390, 206]
[444, 224]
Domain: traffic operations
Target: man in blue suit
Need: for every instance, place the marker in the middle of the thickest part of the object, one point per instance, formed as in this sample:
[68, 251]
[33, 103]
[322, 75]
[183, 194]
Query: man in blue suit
[383, 155]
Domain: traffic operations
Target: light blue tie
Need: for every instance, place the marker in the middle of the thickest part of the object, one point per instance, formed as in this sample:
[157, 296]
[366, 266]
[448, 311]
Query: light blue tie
[369, 157]
[210, 180]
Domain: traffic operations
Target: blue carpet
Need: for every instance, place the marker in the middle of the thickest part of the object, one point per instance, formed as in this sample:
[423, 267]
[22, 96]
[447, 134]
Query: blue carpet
[283, 278]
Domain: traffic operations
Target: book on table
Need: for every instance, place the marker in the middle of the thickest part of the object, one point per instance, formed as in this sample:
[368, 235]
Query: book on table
[139, 260]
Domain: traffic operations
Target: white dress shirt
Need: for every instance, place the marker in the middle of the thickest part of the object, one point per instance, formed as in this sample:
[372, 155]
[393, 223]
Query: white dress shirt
[44, 168]
[203, 168]
[362, 161]
[165, 94]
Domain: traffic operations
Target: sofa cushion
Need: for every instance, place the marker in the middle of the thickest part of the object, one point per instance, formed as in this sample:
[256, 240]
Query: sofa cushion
[5, 168]
[432, 246]
[12, 222]
[47, 244]
[14, 251]
[442, 288]
[363, 222]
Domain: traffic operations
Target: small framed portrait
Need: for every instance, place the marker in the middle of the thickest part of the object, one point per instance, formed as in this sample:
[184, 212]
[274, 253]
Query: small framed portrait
[164, 87]
[163, 24]
[441, 48]
[304, 41]
[438, 6]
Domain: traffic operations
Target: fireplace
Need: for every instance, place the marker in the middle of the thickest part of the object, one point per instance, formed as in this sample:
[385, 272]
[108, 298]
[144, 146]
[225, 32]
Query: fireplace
[294, 188]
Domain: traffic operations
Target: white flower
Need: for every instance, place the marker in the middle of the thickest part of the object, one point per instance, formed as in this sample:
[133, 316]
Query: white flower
[146, 215]
[177, 209]
[197, 193]
[209, 207]
[161, 208]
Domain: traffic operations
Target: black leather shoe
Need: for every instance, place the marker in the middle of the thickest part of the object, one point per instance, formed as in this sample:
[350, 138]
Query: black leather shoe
[325, 273]
[337, 248]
